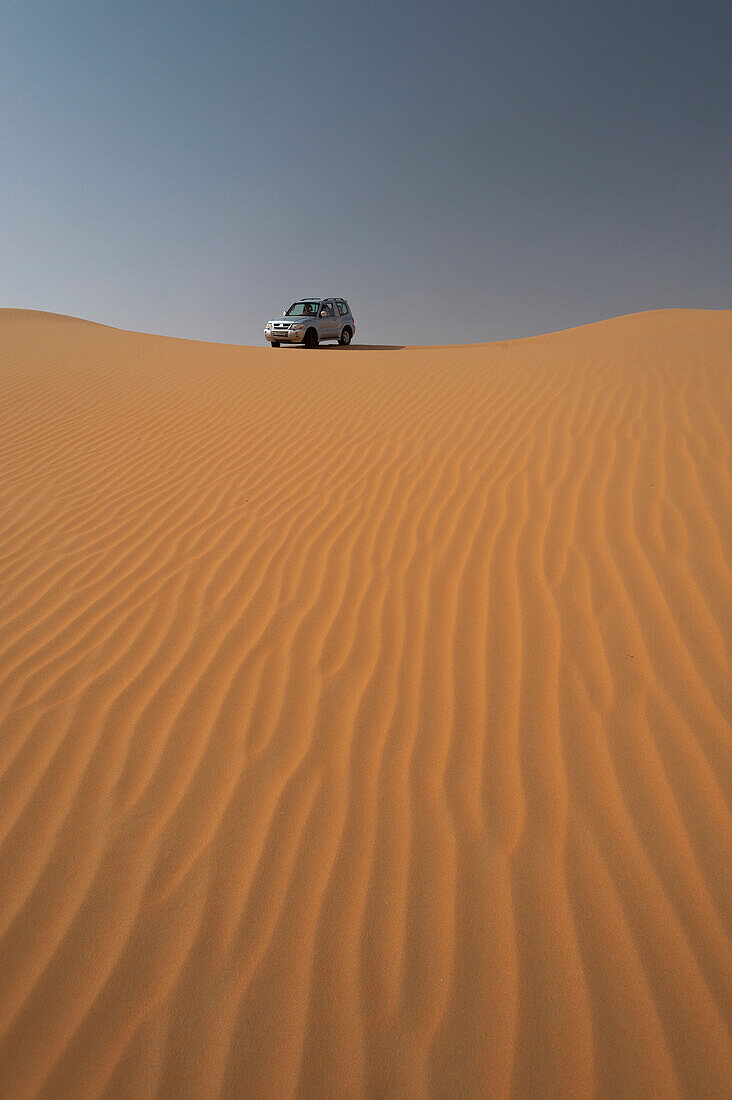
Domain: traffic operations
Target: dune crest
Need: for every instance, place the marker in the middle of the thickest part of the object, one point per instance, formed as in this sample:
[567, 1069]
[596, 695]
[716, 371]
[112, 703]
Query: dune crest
[366, 717]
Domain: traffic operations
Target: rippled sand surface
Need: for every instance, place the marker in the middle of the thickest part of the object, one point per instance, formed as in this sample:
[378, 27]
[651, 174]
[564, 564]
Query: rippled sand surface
[366, 715]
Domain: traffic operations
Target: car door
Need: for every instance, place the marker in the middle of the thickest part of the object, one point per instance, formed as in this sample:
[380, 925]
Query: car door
[343, 317]
[329, 323]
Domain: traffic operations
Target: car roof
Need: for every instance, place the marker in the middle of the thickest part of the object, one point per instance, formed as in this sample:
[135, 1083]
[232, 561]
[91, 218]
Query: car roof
[323, 298]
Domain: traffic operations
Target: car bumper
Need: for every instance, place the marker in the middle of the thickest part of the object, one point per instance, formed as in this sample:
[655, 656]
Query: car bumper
[285, 337]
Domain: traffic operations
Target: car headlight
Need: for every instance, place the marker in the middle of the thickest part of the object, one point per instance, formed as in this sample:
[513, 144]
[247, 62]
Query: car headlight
[298, 328]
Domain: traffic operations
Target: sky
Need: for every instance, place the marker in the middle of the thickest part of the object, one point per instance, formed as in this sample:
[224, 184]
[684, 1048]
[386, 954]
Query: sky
[460, 172]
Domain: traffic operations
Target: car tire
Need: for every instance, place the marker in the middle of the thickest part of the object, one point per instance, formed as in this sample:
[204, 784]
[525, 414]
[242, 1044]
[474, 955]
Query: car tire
[311, 338]
[345, 337]
[275, 343]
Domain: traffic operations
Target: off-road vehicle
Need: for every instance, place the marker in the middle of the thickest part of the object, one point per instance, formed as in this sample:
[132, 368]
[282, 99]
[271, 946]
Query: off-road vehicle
[311, 320]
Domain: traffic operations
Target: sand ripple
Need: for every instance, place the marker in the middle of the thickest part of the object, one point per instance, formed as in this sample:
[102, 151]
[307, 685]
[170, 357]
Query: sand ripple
[366, 716]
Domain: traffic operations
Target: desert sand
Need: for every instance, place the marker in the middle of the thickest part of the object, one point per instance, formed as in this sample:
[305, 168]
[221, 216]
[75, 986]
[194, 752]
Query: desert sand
[366, 715]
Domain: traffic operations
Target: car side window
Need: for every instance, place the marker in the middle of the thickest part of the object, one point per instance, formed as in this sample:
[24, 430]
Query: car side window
[342, 308]
[328, 307]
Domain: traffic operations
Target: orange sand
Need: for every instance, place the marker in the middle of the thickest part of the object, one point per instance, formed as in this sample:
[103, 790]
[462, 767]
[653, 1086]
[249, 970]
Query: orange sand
[366, 715]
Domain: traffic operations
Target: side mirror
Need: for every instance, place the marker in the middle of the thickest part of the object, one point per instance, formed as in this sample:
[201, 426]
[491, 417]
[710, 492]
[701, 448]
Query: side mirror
[323, 313]
[284, 312]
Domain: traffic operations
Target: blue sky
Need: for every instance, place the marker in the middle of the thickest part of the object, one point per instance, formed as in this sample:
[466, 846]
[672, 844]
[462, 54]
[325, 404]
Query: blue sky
[460, 172]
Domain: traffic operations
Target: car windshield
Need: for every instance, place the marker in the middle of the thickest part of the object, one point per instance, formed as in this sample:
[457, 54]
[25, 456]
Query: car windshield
[307, 308]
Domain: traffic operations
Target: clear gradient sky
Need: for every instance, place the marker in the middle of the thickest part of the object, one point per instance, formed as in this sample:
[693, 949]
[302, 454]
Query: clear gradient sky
[461, 172]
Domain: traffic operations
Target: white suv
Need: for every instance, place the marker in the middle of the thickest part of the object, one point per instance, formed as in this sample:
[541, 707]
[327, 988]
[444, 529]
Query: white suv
[311, 320]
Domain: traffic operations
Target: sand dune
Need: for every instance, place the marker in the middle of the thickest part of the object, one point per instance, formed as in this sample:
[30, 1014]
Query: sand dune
[366, 717]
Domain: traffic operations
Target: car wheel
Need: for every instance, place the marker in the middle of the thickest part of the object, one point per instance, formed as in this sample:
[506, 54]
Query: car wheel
[345, 337]
[275, 343]
[311, 338]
